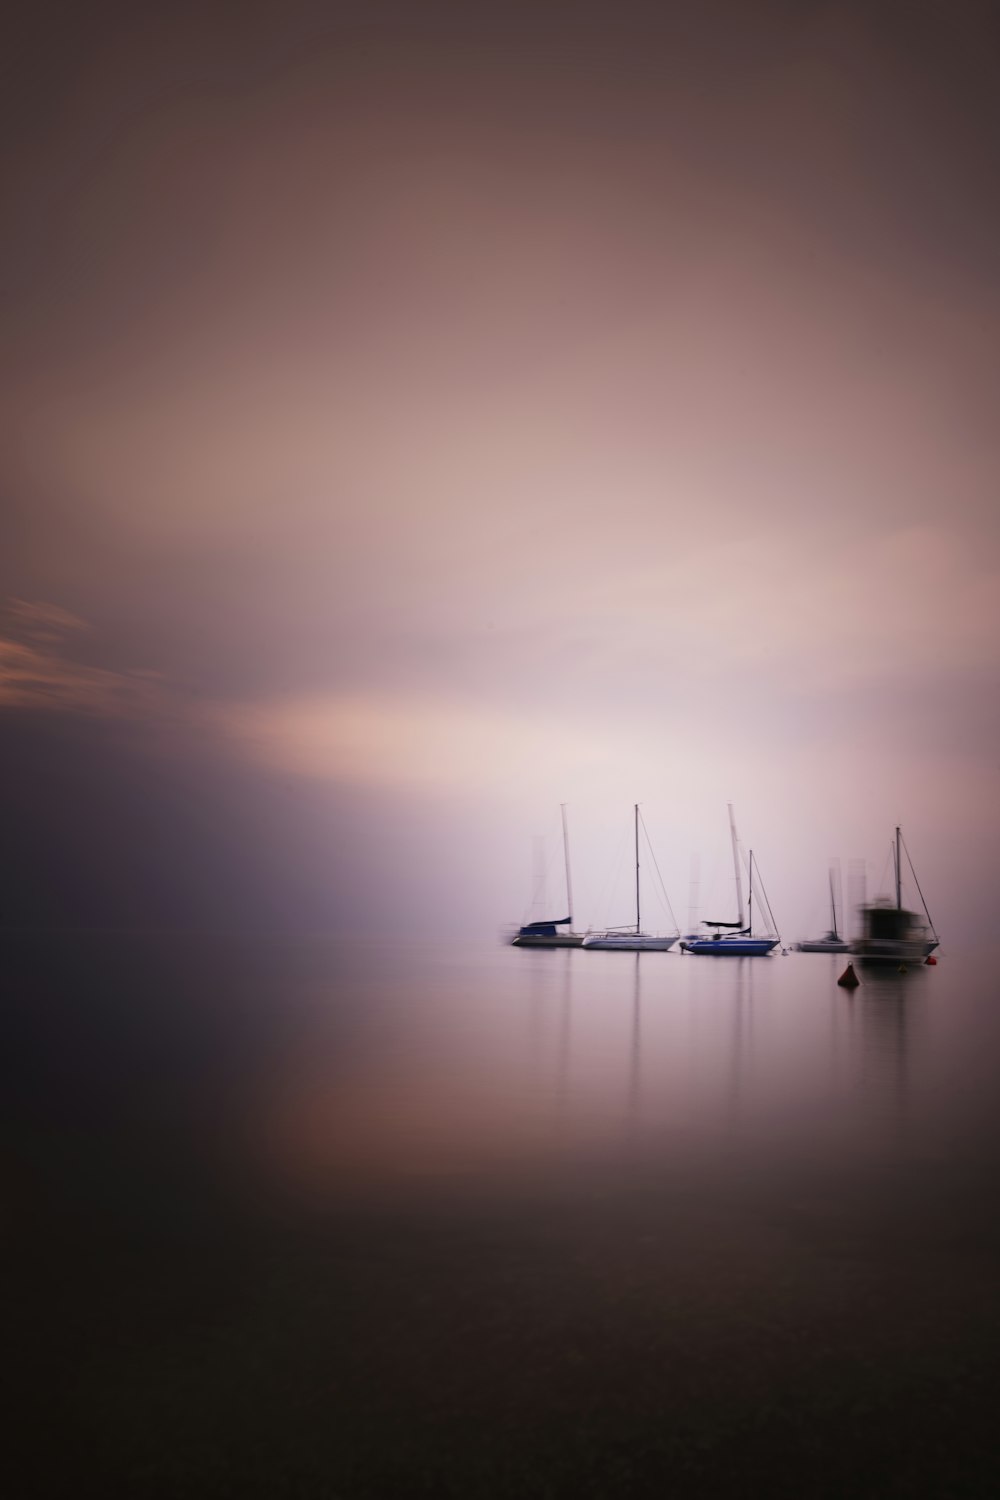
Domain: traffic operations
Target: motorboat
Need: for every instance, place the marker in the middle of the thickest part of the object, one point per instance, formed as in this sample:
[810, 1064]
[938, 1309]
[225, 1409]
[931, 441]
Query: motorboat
[889, 932]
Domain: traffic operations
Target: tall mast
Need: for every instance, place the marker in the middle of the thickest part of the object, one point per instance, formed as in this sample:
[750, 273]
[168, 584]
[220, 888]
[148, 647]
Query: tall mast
[833, 907]
[736, 866]
[569, 888]
[899, 873]
[637, 869]
[750, 899]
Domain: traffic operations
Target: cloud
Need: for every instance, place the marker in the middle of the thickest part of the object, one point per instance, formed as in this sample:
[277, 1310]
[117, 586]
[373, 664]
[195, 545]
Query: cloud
[37, 672]
[41, 621]
[415, 742]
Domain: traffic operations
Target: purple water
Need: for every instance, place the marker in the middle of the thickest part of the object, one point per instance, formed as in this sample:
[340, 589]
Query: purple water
[306, 1218]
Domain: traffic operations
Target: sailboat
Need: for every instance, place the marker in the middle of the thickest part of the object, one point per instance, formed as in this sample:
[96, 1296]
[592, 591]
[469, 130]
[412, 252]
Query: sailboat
[832, 942]
[737, 940]
[890, 933]
[546, 934]
[625, 938]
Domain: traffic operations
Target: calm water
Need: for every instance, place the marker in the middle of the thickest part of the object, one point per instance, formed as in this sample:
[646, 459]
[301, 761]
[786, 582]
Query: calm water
[302, 1218]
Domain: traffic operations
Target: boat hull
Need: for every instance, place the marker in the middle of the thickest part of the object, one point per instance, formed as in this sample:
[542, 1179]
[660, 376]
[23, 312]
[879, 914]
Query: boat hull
[629, 942]
[889, 951]
[730, 947]
[561, 940]
[823, 945]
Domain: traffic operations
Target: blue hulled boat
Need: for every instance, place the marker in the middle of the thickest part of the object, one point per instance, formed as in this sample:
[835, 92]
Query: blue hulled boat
[736, 939]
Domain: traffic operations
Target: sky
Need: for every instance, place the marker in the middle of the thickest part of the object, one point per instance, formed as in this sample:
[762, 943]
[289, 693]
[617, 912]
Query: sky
[417, 417]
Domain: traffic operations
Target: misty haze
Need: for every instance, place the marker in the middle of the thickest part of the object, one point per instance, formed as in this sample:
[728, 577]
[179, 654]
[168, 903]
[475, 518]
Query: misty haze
[500, 533]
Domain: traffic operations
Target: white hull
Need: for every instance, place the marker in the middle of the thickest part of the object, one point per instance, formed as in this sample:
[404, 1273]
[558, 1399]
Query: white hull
[629, 942]
[824, 945]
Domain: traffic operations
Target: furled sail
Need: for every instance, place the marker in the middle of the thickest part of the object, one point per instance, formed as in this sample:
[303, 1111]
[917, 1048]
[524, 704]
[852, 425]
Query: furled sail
[543, 929]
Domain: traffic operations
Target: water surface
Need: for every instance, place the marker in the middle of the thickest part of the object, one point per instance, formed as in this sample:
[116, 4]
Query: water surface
[314, 1218]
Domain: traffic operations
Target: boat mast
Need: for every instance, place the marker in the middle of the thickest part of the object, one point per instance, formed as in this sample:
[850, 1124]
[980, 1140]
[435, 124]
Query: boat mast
[750, 900]
[637, 869]
[833, 908]
[569, 888]
[899, 872]
[736, 866]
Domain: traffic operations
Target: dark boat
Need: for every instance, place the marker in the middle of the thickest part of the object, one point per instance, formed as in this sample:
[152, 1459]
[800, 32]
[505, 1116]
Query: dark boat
[890, 933]
[546, 934]
[832, 942]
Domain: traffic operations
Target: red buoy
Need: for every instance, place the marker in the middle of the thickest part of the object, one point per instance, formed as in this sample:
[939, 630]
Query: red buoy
[930, 959]
[849, 980]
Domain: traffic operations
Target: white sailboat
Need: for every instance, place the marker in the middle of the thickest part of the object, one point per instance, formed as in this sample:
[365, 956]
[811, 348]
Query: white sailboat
[627, 939]
[832, 942]
[546, 934]
[736, 939]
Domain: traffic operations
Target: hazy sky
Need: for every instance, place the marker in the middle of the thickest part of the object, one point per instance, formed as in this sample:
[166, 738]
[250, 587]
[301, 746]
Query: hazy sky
[415, 418]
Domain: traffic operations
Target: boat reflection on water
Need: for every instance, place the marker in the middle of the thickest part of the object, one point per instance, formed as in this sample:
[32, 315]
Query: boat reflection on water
[886, 1012]
[511, 1208]
[634, 1077]
[741, 1002]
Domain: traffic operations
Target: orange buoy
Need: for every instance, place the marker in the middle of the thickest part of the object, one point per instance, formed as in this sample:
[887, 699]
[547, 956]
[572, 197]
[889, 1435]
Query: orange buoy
[849, 980]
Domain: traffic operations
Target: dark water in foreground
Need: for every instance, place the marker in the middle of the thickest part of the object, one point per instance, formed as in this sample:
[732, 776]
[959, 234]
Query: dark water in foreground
[301, 1219]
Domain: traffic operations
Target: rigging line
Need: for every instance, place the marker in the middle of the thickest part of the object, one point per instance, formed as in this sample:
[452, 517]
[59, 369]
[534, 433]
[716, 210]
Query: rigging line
[543, 879]
[652, 855]
[536, 890]
[746, 870]
[611, 883]
[835, 869]
[770, 913]
[881, 881]
[714, 880]
[916, 882]
[694, 892]
[766, 904]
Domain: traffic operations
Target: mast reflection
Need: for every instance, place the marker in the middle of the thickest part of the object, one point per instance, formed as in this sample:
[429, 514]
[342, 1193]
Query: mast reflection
[636, 1049]
[888, 1004]
[742, 1033]
[564, 1035]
